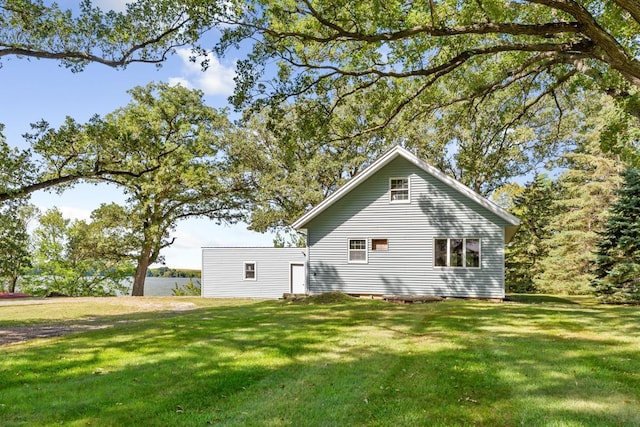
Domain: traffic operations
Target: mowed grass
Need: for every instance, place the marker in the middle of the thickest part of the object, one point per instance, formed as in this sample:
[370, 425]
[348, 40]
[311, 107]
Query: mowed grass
[535, 362]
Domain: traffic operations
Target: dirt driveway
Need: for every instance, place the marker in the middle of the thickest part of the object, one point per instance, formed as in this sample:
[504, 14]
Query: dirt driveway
[17, 334]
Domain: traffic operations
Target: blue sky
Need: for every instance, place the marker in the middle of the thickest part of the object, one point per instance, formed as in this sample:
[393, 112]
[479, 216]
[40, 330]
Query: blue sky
[41, 89]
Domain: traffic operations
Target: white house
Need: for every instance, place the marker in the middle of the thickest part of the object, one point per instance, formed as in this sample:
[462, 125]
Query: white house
[400, 227]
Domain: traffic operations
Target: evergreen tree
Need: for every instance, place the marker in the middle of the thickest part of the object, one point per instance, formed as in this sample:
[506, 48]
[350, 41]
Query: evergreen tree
[535, 208]
[617, 264]
[585, 190]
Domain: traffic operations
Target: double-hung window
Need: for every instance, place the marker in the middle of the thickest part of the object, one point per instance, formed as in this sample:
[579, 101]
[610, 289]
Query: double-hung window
[399, 190]
[357, 250]
[456, 252]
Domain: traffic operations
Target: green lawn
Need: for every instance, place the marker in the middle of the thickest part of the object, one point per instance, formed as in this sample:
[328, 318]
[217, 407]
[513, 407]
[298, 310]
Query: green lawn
[540, 361]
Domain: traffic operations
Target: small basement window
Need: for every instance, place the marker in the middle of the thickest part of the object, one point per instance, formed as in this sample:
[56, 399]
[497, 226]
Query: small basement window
[249, 271]
[357, 251]
[399, 190]
[379, 245]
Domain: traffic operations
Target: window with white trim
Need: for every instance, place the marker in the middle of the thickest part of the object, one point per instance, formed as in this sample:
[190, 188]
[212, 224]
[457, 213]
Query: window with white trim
[456, 252]
[250, 272]
[399, 190]
[357, 250]
[472, 253]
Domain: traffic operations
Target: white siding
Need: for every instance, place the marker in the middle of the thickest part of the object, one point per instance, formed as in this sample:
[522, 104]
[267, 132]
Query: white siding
[223, 271]
[435, 210]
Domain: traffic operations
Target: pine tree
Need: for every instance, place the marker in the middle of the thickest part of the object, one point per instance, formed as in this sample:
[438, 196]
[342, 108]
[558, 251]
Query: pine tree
[535, 208]
[617, 264]
[585, 190]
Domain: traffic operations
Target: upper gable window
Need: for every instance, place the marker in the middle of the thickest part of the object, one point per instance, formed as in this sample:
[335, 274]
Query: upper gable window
[399, 190]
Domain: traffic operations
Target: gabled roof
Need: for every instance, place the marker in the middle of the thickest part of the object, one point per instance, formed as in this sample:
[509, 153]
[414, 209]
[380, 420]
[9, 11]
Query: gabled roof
[512, 221]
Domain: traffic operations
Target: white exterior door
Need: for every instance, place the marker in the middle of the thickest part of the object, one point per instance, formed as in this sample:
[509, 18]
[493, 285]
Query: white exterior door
[297, 276]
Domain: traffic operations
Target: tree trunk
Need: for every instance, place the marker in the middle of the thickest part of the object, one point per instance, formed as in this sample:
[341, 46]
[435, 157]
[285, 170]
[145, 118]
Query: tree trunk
[141, 272]
[12, 284]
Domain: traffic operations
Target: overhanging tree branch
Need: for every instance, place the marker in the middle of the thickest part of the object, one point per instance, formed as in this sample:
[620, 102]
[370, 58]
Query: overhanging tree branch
[631, 6]
[341, 42]
[147, 32]
[102, 174]
[545, 30]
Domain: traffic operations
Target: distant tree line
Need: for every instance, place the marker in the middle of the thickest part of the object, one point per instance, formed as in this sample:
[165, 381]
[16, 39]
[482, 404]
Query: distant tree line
[173, 272]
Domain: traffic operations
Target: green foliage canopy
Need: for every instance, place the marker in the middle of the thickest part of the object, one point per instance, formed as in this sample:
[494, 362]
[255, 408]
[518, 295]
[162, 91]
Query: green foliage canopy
[585, 190]
[59, 158]
[188, 175]
[396, 59]
[147, 32]
[15, 256]
[78, 258]
[290, 167]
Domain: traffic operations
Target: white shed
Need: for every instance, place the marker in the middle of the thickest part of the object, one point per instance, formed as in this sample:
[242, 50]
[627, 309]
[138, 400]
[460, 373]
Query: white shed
[258, 272]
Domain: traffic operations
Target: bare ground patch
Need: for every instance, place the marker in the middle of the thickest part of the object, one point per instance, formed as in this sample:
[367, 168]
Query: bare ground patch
[18, 334]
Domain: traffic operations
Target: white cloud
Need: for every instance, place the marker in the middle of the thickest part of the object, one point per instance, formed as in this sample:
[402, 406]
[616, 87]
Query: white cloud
[71, 212]
[117, 5]
[180, 81]
[216, 80]
[187, 240]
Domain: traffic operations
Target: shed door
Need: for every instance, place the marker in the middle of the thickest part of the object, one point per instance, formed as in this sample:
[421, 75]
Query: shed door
[297, 278]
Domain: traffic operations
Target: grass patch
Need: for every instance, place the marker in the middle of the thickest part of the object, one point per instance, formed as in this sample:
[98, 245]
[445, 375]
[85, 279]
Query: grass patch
[325, 298]
[554, 299]
[346, 362]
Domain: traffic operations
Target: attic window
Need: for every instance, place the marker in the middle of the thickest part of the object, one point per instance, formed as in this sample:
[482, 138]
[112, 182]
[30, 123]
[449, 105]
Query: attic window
[399, 190]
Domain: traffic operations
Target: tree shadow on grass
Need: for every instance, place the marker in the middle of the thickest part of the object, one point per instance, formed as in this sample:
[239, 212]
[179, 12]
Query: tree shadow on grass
[539, 299]
[352, 363]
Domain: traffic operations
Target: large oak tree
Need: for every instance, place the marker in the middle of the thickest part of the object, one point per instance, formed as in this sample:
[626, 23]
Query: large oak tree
[423, 55]
[185, 141]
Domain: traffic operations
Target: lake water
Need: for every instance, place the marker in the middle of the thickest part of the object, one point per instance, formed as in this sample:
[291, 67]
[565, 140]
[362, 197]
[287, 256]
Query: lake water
[162, 286]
